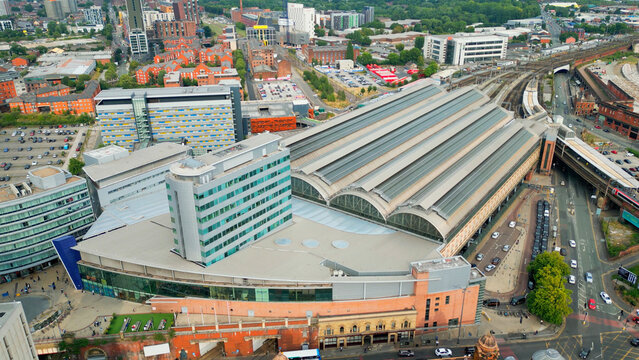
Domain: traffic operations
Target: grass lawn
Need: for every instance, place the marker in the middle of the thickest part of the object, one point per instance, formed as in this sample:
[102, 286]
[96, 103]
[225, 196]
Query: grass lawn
[118, 320]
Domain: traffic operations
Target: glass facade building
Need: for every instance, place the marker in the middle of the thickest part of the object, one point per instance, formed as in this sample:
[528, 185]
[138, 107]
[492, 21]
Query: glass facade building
[30, 221]
[223, 201]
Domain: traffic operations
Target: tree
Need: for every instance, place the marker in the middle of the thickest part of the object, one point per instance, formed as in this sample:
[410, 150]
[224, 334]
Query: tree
[207, 31]
[365, 58]
[28, 8]
[240, 26]
[419, 42]
[350, 54]
[399, 47]
[41, 13]
[553, 259]
[550, 300]
[75, 166]
[319, 32]
[570, 34]
[362, 91]
[341, 95]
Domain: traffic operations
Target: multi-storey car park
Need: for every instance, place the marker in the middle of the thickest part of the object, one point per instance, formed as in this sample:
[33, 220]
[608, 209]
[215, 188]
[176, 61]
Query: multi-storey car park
[386, 195]
[205, 117]
[54, 203]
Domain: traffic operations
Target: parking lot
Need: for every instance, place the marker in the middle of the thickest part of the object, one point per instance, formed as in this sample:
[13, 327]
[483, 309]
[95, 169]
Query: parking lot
[25, 148]
[493, 250]
[625, 160]
[352, 80]
[279, 90]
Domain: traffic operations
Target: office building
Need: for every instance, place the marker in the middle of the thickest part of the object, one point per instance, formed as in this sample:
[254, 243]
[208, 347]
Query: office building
[460, 49]
[5, 9]
[301, 18]
[55, 204]
[186, 10]
[369, 14]
[10, 85]
[136, 28]
[224, 201]
[346, 20]
[69, 6]
[270, 116]
[16, 342]
[262, 33]
[6, 25]
[53, 72]
[93, 15]
[53, 9]
[326, 54]
[206, 117]
[118, 175]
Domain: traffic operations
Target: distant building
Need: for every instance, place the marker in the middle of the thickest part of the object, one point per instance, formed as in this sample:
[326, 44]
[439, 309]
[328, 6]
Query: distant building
[369, 14]
[57, 101]
[53, 9]
[262, 33]
[55, 71]
[19, 62]
[269, 116]
[196, 187]
[462, 48]
[346, 20]
[9, 85]
[301, 18]
[186, 10]
[17, 343]
[174, 28]
[206, 117]
[326, 54]
[93, 15]
[120, 175]
[530, 23]
[56, 203]
[6, 25]
[151, 16]
[5, 9]
[136, 28]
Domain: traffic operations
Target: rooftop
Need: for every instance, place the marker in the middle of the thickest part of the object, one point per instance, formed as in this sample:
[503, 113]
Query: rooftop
[261, 110]
[69, 67]
[119, 93]
[421, 151]
[9, 192]
[293, 254]
[136, 163]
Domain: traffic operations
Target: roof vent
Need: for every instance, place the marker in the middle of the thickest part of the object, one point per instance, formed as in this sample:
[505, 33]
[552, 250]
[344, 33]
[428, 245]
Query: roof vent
[283, 241]
[310, 243]
[340, 244]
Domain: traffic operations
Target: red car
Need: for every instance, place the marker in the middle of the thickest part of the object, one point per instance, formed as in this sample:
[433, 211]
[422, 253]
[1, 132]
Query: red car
[635, 319]
[591, 304]
[613, 151]
[597, 127]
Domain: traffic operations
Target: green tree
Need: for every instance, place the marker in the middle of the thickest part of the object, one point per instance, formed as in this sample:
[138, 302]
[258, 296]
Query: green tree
[240, 26]
[365, 58]
[341, 95]
[28, 8]
[207, 31]
[362, 91]
[419, 42]
[319, 32]
[350, 54]
[160, 79]
[552, 259]
[569, 34]
[41, 13]
[399, 47]
[550, 300]
[75, 166]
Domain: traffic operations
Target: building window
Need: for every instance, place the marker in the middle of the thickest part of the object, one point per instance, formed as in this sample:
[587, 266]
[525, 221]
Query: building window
[453, 322]
[368, 327]
[392, 325]
[328, 332]
[341, 330]
[447, 300]
[406, 324]
[434, 323]
[380, 326]
[354, 329]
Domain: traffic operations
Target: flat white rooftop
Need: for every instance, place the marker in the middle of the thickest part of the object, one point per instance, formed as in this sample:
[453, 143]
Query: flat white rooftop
[301, 252]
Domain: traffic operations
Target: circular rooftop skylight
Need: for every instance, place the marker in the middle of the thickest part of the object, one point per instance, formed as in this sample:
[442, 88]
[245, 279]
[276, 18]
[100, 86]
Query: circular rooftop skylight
[283, 241]
[340, 244]
[310, 243]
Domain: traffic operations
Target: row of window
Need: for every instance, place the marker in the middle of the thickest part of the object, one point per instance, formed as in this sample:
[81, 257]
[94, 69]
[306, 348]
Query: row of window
[35, 201]
[47, 226]
[381, 325]
[111, 283]
[62, 210]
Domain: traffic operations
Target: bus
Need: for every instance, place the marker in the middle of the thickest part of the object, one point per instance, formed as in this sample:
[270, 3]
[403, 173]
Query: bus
[303, 354]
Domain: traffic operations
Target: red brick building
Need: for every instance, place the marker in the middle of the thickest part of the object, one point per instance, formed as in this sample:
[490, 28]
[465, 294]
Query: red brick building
[58, 100]
[174, 29]
[585, 106]
[620, 118]
[326, 54]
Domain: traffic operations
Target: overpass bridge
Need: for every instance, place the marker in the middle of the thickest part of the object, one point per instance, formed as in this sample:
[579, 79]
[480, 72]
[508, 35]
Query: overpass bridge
[610, 180]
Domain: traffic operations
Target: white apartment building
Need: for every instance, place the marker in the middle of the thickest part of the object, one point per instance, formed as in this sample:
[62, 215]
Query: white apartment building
[139, 173]
[151, 16]
[93, 15]
[139, 42]
[16, 342]
[301, 18]
[460, 49]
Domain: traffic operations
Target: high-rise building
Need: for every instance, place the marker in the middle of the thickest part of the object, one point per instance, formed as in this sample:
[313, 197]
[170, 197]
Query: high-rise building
[137, 31]
[5, 9]
[53, 9]
[346, 20]
[301, 18]
[174, 29]
[56, 203]
[151, 16]
[69, 6]
[223, 201]
[206, 117]
[186, 10]
[93, 15]
[463, 48]
[369, 14]
[16, 341]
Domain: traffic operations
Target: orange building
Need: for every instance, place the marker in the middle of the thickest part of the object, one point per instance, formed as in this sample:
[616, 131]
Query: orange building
[266, 116]
[58, 100]
[585, 106]
[19, 62]
[8, 88]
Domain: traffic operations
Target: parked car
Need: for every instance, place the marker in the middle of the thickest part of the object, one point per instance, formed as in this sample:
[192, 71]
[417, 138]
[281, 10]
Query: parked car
[505, 248]
[518, 300]
[489, 267]
[512, 224]
[495, 235]
[479, 257]
[573, 264]
[572, 279]
[573, 243]
[441, 352]
[495, 261]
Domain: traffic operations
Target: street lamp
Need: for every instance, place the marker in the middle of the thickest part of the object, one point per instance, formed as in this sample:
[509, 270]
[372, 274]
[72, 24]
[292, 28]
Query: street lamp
[461, 318]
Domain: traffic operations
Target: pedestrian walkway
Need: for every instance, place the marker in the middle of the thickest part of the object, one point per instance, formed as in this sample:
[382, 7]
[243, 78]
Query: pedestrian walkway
[80, 308]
